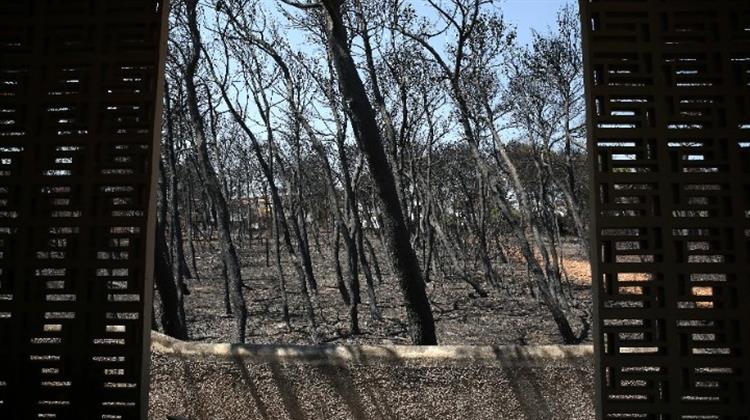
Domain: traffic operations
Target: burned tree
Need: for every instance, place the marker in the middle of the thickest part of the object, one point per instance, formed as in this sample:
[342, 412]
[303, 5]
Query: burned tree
[211, 180]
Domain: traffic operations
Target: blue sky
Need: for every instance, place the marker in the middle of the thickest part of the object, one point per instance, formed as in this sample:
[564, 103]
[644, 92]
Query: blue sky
[524, 14]
[532, 14]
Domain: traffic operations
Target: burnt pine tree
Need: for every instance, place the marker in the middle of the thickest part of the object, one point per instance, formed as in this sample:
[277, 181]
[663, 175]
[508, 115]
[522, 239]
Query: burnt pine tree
[172, 312]
[212, 184]
[367, 133]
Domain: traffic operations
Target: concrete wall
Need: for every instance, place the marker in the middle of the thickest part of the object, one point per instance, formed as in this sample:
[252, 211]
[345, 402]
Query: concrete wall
[222, 381]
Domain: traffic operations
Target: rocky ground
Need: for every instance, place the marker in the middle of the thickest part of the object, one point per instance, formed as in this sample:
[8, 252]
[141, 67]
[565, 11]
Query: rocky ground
[509, 315]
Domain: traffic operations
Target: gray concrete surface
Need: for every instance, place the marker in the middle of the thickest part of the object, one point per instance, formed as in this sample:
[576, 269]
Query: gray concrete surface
[221, 381]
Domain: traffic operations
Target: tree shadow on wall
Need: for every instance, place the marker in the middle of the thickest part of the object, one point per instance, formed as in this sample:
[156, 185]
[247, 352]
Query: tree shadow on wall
[250, 383]
[524, 384]
[330, 369]
[331, 382]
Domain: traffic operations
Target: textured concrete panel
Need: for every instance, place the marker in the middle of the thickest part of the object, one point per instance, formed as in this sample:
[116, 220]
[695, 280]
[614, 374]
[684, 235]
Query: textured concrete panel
[216, 382]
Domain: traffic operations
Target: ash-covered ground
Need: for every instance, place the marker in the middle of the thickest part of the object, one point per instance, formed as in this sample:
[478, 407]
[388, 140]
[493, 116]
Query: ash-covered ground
[509, 315]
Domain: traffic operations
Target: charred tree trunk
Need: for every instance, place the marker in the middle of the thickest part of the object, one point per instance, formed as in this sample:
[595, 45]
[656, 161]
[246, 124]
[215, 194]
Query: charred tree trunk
[280, 270]
[364, 124]
[337, 266]
[179, 265]
[374, 260]
[212, 182]
[227, 287]
[172, 314]
[371, 296]
[191, 233]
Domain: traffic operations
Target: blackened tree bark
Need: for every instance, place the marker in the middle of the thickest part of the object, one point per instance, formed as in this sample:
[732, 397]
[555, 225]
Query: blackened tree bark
[172, 314]
[212, 183]
[282, 225]
[472, 104]
[362, 115]
[179, 265]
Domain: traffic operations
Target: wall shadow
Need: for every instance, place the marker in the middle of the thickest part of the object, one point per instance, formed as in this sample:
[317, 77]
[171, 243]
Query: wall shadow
[377, 382]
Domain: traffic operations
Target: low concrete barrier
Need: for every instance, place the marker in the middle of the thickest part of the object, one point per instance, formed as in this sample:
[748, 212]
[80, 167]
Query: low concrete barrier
[199, 381]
